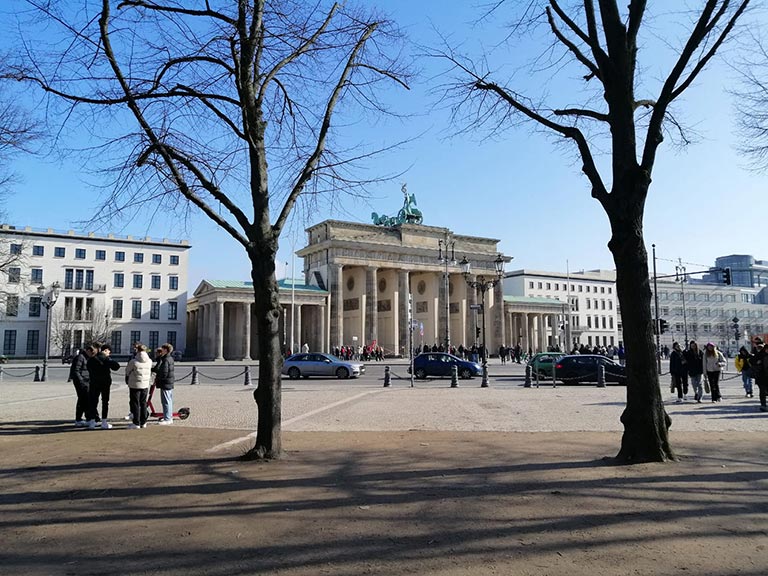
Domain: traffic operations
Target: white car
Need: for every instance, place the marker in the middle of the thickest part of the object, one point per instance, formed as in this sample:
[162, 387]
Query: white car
[309, 364]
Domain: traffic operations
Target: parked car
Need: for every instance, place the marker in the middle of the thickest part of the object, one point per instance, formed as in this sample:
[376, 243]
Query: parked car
[543, 362]
[318, 364]
[441, 364]
[583, 368]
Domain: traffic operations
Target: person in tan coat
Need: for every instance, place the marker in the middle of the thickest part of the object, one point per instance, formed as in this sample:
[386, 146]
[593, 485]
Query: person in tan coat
[138, 376]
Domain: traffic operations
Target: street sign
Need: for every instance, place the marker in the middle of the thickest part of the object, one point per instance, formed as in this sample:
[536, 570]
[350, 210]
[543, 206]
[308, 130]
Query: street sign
[475, 306]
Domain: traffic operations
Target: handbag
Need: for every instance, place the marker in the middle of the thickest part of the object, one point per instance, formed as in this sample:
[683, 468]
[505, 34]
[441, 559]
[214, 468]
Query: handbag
[672, 385]
[706, 384]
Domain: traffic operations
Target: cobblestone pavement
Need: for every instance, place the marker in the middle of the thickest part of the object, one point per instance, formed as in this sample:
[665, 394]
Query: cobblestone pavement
[364, 405]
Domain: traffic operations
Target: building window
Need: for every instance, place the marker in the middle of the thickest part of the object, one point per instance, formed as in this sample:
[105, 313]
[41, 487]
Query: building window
[38, 250]
[154, 340]
[539, 285]
[135, 336]
[33, 342]
[101, 255]
[589, 304]
[136, 309]
[36, 276]
[119, 256]
[154, 310]
[610, 304]
[157, 258]
[602, 289]
[80, 253]
[69, 276]
[610, 322]
[174, 260]
[173, 282]
[138, 257]
[173, 310]
[602, 304]
[610, 290]
[14, 275]
[16, 249]
[138, 281]
[79, 279]
[549, 286]
[557, 287]
[171, 338]
[589, 321]
[116, 340]
[581, 288]
[530, 285]
[604, 324]
[34, 306]
[119, 280]
[117, 309]
[588, 288]
[155, 282]
[89, 279]
[9, 343]
[59, 252]
[11, 305]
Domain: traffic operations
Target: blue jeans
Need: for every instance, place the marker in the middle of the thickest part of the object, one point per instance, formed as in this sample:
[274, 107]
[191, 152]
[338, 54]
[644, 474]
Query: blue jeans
[747, 381]
[696, 385]
[167, 398]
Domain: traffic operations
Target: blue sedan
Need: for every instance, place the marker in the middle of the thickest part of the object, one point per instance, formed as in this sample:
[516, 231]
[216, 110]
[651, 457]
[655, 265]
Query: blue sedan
[441, 364]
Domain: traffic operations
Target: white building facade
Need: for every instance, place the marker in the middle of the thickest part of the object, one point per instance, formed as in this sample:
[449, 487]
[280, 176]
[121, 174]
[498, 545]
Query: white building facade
[593, 319]
[118, 289]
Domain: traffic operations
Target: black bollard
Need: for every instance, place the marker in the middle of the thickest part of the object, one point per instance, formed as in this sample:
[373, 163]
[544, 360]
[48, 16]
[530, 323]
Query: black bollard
[554, 375]
[454, 376]
[527, 383]
[195, 380]
[37, 374]
[247, 379]
[601, 376]
[387, 377]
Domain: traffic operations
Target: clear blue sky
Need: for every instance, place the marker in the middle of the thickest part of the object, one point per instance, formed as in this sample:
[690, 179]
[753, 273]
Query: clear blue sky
[518, 188]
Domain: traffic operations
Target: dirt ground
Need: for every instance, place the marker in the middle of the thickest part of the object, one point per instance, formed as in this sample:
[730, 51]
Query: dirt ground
[154, 501]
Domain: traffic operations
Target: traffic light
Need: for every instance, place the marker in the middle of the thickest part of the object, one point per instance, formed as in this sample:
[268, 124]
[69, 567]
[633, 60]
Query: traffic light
[477, 331]
[663, 326]
[727, 276]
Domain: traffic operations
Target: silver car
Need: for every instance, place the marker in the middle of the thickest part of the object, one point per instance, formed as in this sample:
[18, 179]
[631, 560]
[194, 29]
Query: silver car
[318, 364]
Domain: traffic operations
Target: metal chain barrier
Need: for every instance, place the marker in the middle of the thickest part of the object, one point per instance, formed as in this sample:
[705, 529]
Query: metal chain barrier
[184, 377]
[221, 379]
[6, 372]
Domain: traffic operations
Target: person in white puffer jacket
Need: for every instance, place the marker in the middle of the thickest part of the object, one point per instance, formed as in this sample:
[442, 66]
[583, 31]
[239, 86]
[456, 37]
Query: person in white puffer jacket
[138, 376]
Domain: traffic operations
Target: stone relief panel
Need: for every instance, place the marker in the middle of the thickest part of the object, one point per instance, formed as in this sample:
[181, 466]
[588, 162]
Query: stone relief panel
[384, 306]
[351, 304]
[422, 307]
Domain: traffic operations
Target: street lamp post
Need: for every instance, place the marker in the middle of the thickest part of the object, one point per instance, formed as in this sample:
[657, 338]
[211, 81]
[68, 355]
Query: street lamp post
[483, 285]
[48, 300]
[447, 259]
[681, 275]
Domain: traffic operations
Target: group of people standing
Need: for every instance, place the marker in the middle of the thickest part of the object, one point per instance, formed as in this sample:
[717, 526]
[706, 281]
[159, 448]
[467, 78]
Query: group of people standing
[704, 368]
[91, 373]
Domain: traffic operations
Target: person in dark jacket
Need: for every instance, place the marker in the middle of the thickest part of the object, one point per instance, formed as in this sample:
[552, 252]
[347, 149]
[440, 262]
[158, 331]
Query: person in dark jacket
[694, 358]
[164, 380]
[759, 363]
[679, 371]
[78, 373]
[100, 368]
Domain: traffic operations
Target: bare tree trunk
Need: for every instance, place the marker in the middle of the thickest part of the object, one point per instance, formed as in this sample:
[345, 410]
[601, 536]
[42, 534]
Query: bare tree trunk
[646, 422]
[268, 395]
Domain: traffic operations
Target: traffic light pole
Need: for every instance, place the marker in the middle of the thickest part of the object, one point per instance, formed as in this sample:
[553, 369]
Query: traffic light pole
[656, 321]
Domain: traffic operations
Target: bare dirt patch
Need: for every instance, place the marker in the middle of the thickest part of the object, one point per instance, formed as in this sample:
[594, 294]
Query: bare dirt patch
[154, 502]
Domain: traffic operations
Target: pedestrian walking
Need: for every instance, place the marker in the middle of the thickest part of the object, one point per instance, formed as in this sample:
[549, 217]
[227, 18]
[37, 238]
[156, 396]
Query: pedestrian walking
[138, 374]
[714, 362]
[164, 380]
[744, 367]
[759, 363]
[679, 371]
[78, 373]
[694, 358]
[100, 368]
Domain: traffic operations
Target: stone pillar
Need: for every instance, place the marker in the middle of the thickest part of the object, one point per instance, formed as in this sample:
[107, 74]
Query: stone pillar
[554, 328]
[403, 289]
[529, 334]
[469, 339]
[299, 342]
[336, 287]
[320, 341]
[200, 331]
[219, 329]
[247, 332]
[371, 333]
[542, 333]
[499, 333]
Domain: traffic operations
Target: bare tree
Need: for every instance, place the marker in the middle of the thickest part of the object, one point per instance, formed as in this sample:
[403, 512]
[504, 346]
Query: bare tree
[601, 39]
[752, 103]
[235, 103]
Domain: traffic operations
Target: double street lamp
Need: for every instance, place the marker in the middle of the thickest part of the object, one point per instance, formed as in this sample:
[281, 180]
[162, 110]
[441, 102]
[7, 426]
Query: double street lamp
[48, 298]
[447, 259]
[483, 284]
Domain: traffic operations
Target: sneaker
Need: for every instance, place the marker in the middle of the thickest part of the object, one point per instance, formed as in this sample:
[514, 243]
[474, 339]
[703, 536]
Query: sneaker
[685, 398]
[750, 395]
[106, 425]
[143, 426]
[679, 400]
[165, 422]
[80, 423]
[132, 426]
[129, 416]
[91, 424]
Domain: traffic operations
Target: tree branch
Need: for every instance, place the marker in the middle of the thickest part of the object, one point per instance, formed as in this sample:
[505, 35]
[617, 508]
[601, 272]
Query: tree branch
[582, 112]
[149, 5]
[593, 69]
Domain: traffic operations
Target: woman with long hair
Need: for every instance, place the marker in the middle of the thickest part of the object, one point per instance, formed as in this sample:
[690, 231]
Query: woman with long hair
[714, 362]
